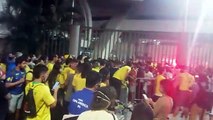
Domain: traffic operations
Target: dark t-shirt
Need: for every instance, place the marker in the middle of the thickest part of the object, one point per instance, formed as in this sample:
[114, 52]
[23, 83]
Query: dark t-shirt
[142, 110]
[3, 100]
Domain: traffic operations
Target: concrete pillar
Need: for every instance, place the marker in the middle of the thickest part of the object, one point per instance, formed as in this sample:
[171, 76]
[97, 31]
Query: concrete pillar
[74, 40]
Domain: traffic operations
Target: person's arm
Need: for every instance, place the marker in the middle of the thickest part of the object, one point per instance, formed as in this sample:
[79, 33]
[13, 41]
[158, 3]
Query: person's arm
[8, 96]
[5, 92]
[192, 81]
[29, 77]
[157, 107]
[12, 84]
[74, 83]
[55, 95]
[48, 98]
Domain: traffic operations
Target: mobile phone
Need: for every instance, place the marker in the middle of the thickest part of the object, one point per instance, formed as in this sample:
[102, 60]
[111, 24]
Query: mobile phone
[145, 97]
[55, 85]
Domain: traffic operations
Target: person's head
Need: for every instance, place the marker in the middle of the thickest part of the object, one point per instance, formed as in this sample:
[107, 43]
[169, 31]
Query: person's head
[84, 69]
[147, 69]
[183, 69]
[87, 59]
[21, 62]
[102, 63]
[161, 71]
[42, 60]
[105, 74]
[53, 58]
[53, 74]
[93, 80]
[40, 72]
[116, 63]
[166, 87]
[95, 64]
[103, 98]
[129, 63]
[57, 67]
[72, 63]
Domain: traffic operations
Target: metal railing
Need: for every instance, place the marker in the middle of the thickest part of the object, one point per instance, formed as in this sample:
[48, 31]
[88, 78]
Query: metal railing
[122, 45]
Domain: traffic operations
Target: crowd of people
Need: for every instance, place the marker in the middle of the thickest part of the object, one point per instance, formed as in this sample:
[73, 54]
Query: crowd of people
[56, 87]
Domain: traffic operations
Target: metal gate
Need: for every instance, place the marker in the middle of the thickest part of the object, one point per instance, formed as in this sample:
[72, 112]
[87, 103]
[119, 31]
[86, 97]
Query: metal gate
[55, 43]
[123, 45]
[159, 47]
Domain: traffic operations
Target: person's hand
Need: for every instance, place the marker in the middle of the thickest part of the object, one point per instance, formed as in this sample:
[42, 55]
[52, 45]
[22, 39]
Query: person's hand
[22, 80]
[56, 88]
[149, 101]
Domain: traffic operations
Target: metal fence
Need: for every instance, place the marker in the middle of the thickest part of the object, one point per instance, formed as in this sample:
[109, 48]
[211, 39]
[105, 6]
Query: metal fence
[159, 47]
[122, 45]
[56, 43]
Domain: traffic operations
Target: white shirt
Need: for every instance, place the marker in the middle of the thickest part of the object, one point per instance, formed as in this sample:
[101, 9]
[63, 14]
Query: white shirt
[97, 115]
[210, 84]
[148, 75]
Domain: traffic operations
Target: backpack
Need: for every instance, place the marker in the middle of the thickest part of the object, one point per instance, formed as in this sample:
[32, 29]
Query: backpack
[29, 104]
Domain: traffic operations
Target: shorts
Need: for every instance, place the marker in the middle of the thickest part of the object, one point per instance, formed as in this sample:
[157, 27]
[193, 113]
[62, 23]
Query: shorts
[15, 102]
[183, 98]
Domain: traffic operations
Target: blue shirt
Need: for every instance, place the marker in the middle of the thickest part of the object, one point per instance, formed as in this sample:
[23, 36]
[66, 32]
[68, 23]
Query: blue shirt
[10, 66]
[80, 101]
[15, 76]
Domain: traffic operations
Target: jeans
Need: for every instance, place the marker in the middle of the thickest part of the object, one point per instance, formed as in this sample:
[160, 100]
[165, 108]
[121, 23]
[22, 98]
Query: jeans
[124, 94]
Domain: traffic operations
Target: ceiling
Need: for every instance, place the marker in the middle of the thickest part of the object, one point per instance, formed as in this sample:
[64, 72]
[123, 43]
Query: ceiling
[148, 9]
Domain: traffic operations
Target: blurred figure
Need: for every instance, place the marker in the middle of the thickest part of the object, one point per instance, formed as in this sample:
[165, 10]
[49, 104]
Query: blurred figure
[163, 106]
[15, 83]
[5, 96]
[55, 75]
[200, 104]
[115, 65]
[79, 79]
[119, 81]
[158, 80]
[41, 93]
[70, 68]
[142, 110]
[148, 74]
[3, 68]
[102, 99]
[80, 101]
[168, 74]
[52, 61]
[183, 84]
[10, 64]
[105, 77]
[132, 82]
[96, 66]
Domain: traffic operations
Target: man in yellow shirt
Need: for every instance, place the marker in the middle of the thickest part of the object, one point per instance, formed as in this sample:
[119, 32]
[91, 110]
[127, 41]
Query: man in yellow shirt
[158, 79]
[120, 83]
[183, 83]
[42, 96]
[79, 80]
[79, 83]
[70, 68]
[52, 61]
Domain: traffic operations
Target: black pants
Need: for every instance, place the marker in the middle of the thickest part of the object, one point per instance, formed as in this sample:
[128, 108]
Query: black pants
[117, 85]
[3, 115]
